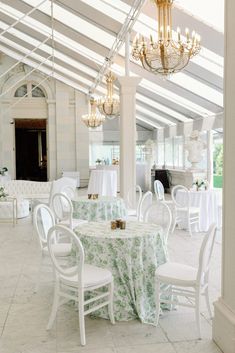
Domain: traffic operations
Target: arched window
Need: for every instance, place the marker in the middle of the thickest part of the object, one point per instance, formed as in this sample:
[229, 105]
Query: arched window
[29, 90]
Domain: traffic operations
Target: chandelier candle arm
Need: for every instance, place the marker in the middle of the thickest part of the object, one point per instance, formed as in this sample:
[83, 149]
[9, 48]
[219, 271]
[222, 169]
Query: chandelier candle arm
[166, 55]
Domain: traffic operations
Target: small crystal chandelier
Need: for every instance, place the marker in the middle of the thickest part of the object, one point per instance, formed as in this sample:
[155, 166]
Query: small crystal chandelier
[108, 105]
[93, 119]
[166, 55]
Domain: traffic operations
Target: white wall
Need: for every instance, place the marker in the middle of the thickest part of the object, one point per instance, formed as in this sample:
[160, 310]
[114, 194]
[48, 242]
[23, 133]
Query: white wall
[67, 136]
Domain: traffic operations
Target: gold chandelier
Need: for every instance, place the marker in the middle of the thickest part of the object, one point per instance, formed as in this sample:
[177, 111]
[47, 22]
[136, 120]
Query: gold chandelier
[93, 119]
[108, 105]
[166, 55]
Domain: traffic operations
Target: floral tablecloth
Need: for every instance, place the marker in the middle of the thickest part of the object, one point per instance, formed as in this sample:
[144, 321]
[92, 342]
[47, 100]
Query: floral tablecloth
[132, 255]
[103, 208]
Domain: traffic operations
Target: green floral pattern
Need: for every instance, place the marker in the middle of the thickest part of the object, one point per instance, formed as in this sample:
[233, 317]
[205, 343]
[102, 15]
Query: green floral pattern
[104, 208]
[132, 255]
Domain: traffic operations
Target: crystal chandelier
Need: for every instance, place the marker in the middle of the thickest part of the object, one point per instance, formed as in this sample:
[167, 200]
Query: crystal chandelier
[93, 119]
[166, 55]
[108, 105]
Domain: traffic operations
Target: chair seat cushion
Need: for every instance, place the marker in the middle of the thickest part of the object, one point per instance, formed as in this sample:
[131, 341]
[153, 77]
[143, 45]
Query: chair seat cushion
[178, 274]
[93, 276]
[60, 249]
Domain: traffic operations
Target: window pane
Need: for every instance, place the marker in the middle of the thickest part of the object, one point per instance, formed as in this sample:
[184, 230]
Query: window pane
[169, 152]
[37, 92]
[21, 91]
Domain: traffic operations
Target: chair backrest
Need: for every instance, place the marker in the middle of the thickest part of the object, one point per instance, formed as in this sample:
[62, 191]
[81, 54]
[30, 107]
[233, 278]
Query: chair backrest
[205, 254]
[69, 191]
[145, 203]
[43, 220]
[62, 208]
[160, 214]
[136, 189]
[59, 184]
[67, 269]
[159, 190]
[184, 200]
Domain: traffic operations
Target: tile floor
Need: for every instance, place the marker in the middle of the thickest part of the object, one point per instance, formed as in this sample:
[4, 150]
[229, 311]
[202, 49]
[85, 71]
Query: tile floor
[24, 315]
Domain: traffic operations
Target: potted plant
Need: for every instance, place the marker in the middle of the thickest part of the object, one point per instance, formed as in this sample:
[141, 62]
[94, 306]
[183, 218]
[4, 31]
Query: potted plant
[3, 171]
[3, 194]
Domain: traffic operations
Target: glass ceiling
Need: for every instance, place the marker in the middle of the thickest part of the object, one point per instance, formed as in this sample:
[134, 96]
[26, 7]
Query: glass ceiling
[210, 11]
[117, 10]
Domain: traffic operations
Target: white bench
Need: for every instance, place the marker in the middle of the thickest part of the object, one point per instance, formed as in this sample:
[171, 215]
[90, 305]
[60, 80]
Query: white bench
[23, 190]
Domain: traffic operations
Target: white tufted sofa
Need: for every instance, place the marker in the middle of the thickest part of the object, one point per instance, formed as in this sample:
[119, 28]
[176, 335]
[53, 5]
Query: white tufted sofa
[23, 190]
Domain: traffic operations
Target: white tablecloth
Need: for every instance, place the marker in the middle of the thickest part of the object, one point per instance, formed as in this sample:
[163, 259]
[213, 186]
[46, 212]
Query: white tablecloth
[103, 182]
[207, 201]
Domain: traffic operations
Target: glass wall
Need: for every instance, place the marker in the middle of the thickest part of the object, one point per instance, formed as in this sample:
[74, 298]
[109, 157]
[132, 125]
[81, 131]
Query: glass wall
[105, 153]
[218, 159]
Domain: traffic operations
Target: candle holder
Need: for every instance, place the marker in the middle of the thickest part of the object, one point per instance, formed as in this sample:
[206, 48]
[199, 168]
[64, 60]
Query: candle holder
[118, 221]
[122, 224]
[113, 225]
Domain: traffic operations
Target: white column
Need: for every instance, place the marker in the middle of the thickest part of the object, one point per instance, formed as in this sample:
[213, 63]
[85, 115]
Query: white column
[224, 319]
[210, 158]
[81, 138]
[128, 134]
[51, 141]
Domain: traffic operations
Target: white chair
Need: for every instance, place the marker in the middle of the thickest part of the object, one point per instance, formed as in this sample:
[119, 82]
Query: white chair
[160, 214]
[72, 282]
[59, 185]
[145, 203]
[159, 190]
[63, 209]
[183, 211]
[181, 280]
[43, 220]
[130, 210]
[69, 191]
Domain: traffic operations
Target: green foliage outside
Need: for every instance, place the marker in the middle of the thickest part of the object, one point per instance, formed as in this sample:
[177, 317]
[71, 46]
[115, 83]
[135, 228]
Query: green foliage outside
[218, 166]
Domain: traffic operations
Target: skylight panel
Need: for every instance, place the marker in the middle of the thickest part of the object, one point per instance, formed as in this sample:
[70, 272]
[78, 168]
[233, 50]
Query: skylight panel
[155, 116]
[210, 11]
[162, 108]
[75, 22]
[185, 103]
[107, 9]
[46, 48]
[45, 30]
[147, 121]
[198, 88]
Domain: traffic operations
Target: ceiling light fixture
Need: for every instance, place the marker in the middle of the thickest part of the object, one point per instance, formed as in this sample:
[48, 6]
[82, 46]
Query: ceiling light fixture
[93, 119]
[166, 55]
[108, 105]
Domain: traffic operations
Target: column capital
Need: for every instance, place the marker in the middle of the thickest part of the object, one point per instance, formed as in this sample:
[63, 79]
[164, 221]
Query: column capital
[129, 83]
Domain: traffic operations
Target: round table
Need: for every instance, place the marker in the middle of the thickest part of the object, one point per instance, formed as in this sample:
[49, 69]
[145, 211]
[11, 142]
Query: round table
[207, 201]
[103, 208]
[103, 182]
[132, 255]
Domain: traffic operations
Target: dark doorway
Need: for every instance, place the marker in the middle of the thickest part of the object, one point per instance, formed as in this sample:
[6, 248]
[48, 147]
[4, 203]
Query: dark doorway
[31, 149]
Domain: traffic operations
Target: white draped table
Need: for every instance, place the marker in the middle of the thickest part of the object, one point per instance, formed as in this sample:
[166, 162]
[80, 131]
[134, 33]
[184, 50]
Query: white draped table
[103, 208]
[132, 255]
[207, 201]
[103, 182]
